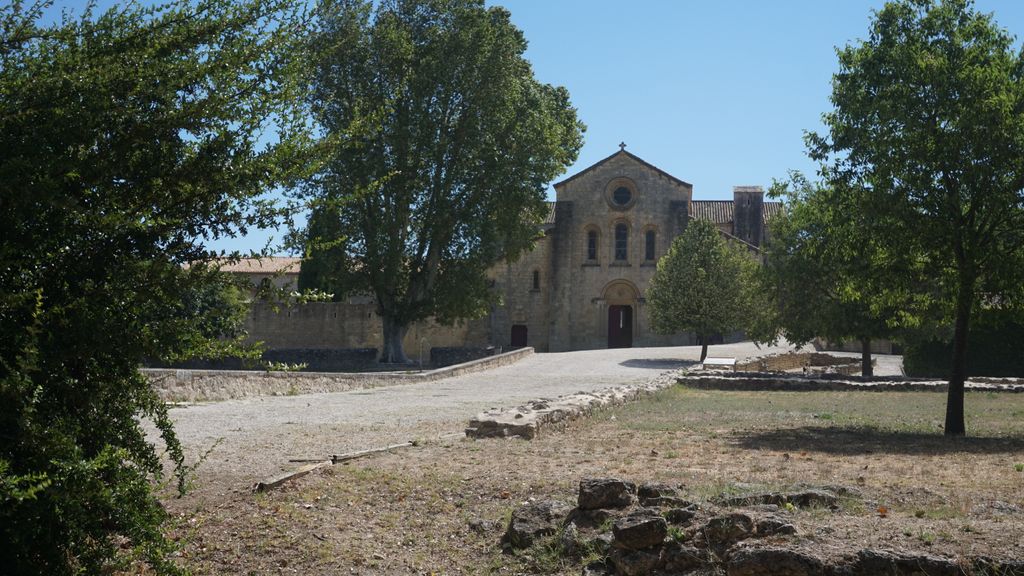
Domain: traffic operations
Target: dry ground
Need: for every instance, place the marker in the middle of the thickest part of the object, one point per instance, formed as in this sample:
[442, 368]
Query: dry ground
[410, 512]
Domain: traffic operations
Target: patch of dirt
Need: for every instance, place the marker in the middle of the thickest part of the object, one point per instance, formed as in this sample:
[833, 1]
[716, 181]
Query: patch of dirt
[441, 507]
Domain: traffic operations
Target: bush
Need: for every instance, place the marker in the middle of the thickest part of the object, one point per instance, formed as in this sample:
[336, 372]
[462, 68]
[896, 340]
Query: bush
[994, 349]
[127, 139]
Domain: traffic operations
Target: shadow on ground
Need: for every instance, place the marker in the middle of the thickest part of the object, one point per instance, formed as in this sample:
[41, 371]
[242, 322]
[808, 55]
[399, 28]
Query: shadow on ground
[854, 441]
[657, 363]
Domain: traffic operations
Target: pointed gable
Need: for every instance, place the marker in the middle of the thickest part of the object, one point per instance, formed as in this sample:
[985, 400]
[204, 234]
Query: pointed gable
[623, 153]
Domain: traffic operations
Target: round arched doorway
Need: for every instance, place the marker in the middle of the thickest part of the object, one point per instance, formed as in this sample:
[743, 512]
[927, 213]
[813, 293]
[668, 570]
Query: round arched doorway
[620, 298]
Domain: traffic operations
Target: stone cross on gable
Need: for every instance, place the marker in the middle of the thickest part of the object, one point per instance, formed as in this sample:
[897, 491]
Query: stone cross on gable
[622, 145]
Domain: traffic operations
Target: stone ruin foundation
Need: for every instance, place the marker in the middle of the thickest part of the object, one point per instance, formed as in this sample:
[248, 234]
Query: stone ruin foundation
[620, 528]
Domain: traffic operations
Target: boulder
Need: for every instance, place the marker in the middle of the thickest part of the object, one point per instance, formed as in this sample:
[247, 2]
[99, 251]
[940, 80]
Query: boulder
[635, 562]
[891, 563]
[680, 516]
[774, 526]
[802, 499]
[591, 518]
[679, 558]
[655, 490]
[598, 493]
[534, 520]
[772, 561]
[985, 565]
[728, 528]
[640, 529]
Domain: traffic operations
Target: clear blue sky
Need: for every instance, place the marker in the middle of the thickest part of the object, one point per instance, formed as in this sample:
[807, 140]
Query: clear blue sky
[715, 92]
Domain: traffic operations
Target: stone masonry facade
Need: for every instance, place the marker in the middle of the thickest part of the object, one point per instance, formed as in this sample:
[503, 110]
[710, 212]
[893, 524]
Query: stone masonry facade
[583, 284]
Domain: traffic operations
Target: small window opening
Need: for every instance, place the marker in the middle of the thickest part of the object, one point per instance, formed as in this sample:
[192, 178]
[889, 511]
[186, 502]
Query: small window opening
[592, 245]
[536, 279]
[621, 241]
[649, 239]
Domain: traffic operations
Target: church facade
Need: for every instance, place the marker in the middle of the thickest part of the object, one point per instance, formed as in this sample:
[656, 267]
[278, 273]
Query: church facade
[583, 285]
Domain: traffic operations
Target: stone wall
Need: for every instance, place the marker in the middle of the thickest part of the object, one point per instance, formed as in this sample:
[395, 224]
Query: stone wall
[523, 304]
[315, 359]
[346, 326]
[178, 385]
[449, 355]
[793, 361]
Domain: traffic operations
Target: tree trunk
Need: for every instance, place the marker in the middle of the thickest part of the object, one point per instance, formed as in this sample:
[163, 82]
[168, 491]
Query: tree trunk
[865, 358]
[394, 334]
[703, 348]
[955, 425]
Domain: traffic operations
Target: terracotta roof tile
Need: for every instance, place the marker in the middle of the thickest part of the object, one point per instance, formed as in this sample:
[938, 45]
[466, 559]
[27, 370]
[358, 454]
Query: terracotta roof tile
[265, 265]
[721, 211]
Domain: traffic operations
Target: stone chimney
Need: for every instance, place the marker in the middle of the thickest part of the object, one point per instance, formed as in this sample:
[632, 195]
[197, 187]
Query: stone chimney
[747, 221]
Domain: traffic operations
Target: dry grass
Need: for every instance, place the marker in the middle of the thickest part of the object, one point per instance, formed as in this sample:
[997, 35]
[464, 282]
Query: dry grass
[409, 512]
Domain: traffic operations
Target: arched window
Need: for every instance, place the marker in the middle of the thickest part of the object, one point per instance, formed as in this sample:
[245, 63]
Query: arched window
[591, 244]
[536, 279]
[649, 239]
[621, 241]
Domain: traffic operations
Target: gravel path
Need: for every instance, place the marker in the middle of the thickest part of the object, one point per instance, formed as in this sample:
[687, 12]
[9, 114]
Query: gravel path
[254, 438]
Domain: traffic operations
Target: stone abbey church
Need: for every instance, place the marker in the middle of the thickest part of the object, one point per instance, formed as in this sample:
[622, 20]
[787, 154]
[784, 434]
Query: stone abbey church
[582, 286]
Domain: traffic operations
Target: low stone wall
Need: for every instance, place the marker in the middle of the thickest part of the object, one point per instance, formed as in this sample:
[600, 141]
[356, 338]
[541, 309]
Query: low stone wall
[760, 382]
[794, 360]
[442, 356]
[528, 420]
[315, 360]
[182, 385]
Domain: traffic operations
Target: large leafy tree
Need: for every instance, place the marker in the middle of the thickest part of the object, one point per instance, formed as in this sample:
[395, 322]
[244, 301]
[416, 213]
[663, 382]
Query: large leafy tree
[127, 139]
[442, 145]
[699, 285]
[928, 125]
[825, 275]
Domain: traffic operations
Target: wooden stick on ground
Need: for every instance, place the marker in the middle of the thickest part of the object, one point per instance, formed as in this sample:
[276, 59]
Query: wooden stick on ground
[276, 481]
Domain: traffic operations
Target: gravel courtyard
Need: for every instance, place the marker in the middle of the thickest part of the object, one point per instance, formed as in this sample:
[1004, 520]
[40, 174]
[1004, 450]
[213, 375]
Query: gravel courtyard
[254, 438]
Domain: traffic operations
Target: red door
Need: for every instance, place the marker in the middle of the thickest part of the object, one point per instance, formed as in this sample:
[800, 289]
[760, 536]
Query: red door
[620, 326]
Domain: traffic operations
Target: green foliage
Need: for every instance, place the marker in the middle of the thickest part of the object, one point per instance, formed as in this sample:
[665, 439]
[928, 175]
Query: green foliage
[699, 284]
[127, 138]
[928, 133]
[995, 341]
[442, 145]
[824, 276]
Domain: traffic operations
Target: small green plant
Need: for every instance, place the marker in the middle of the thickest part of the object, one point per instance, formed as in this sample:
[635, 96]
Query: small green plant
[677, 534]
[789, 507]
[1019, 466]
[284, 366]
[825, 416]
[927, 538]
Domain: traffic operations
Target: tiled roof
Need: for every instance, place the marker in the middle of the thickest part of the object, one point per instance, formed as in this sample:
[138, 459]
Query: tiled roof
[721, 211]
[770, 210]
[265, 265]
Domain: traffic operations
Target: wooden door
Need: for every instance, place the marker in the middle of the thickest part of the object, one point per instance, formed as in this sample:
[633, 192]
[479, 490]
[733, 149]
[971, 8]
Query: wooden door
[518, 335]
[620, 326]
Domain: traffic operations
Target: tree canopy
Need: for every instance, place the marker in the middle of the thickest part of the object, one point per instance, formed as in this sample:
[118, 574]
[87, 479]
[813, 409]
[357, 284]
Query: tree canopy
[699, 285]
[825, 275]
[441, 147]
[128, 138]
[928, 128]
